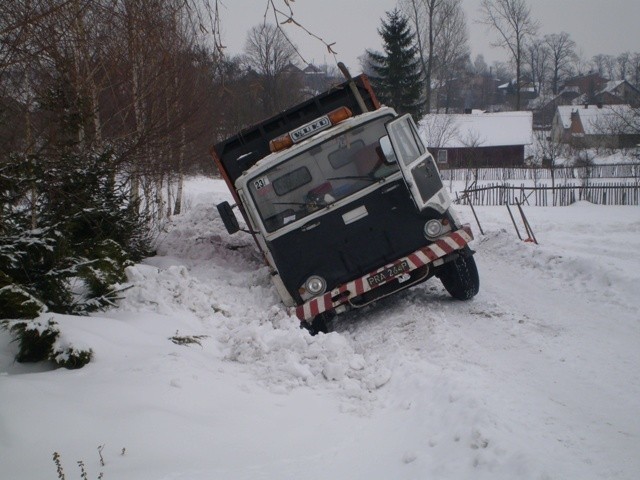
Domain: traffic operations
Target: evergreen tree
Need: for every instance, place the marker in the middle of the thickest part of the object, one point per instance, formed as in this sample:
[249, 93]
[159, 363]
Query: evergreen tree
[396, 75]
[88, 232]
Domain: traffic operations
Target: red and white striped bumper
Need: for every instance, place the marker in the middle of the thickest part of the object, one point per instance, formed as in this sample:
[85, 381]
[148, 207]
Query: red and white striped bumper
[421, 257]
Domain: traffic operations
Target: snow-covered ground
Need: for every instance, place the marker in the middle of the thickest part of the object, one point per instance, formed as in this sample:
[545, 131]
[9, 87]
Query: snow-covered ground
[538, 377]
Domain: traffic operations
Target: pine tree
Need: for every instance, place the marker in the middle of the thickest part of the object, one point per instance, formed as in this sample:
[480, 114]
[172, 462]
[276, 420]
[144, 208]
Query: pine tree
[88, 232]
[396, 75]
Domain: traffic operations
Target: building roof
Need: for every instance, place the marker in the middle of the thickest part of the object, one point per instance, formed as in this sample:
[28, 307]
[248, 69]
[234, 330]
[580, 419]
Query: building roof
[611, 85]
[596, 120]
[479, 129]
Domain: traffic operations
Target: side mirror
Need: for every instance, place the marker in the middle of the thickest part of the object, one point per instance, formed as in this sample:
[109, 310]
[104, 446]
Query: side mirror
[387, 150]
[228, 217]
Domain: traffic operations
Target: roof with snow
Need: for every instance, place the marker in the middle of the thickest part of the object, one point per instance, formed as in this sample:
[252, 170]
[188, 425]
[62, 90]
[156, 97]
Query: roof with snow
[611, 85]
[478, 129]
[595, 119]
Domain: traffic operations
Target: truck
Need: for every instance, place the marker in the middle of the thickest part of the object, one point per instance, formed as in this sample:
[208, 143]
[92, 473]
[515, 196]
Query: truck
[345, 203]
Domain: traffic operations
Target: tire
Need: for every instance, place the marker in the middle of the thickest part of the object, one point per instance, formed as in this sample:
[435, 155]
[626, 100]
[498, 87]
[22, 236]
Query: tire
[319, 324]
[460, 276]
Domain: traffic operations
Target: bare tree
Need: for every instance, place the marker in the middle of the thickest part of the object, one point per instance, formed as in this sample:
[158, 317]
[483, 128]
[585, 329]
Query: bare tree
[580, 63]
[550, 152]
[611, 63]
[605, 65]
[513, 22]
[441, 37]
[624, 63]
[635, 70]
[538, 62]
[451, 51]
[562, 51]
[472, 142]
[270, 54]
[439, 129]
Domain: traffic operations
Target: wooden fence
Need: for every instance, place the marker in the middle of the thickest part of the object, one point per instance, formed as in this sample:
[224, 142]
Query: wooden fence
[623, 170]
[601, 193]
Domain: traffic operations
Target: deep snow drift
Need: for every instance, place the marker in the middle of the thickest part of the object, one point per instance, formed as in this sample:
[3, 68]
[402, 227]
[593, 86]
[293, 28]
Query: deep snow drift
[536, 378]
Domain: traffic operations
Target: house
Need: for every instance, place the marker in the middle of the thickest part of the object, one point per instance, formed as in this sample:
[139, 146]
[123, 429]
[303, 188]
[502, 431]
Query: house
[312, 79]
[588, 84]
[618, 92]
[478, 139]
[592, 126]
[544, 109]
[586, 89]
[507, 91]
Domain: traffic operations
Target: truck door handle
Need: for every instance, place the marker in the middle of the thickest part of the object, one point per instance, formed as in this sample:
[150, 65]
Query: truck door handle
[390, 189]
[309, 226]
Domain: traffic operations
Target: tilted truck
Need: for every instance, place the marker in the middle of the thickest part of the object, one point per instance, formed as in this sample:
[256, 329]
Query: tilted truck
[345, 203]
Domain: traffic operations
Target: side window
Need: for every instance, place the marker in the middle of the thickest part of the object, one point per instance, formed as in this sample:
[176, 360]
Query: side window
[410, 146]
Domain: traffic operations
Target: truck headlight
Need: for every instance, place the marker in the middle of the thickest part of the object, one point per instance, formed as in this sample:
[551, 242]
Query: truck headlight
[315, 285]
[433, 229]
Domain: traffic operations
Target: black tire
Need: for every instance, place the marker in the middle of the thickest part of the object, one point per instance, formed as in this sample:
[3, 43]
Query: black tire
[319, 324]
[460, 277]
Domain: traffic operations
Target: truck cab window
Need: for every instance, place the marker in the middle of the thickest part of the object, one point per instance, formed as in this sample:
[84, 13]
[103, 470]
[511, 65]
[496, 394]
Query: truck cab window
[291, 181]
[321, 175]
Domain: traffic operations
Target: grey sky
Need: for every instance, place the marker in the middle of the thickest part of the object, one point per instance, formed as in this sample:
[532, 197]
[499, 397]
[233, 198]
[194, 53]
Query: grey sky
[597, 26]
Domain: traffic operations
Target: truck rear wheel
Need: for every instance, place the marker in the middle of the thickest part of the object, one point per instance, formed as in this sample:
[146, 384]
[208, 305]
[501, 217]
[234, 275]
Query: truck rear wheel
[460, 276]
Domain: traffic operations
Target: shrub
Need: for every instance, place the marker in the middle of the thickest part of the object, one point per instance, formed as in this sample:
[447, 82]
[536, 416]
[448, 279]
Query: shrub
[39, 341]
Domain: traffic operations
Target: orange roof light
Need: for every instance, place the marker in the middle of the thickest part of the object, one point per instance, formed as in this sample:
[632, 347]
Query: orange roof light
[280, 143]
[339, 115]
[309, 129]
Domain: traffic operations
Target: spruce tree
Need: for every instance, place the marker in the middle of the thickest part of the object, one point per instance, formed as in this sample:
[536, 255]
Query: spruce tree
[396, 75]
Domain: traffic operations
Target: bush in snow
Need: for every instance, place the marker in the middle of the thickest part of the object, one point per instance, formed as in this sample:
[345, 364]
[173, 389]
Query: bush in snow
[40, 341]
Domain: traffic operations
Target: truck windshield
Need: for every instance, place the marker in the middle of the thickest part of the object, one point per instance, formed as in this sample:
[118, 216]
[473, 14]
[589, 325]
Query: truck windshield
[322, 175]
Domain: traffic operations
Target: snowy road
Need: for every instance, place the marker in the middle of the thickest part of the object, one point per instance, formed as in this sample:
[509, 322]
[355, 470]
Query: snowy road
[540, 369]
[536, 378]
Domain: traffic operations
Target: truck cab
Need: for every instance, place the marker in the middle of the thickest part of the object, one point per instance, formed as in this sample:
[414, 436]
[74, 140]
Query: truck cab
[348, 208]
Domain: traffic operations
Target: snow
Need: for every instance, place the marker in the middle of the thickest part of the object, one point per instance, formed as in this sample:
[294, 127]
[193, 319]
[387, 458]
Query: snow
[535, 378]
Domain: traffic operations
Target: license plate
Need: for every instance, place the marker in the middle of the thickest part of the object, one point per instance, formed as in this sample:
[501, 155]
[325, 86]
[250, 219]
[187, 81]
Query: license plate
[388, 273]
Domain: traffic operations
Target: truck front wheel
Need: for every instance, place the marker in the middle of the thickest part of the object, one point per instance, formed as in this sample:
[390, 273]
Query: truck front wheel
[460, 276]
[319, 324]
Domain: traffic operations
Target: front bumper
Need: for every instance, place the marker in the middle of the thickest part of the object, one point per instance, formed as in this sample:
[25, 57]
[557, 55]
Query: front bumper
[432, 254]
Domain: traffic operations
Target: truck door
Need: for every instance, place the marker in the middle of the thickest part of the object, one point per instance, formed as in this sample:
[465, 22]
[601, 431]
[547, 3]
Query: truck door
[417, 165]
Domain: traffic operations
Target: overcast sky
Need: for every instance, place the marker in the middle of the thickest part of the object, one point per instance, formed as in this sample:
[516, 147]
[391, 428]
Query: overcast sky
[597, 26]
